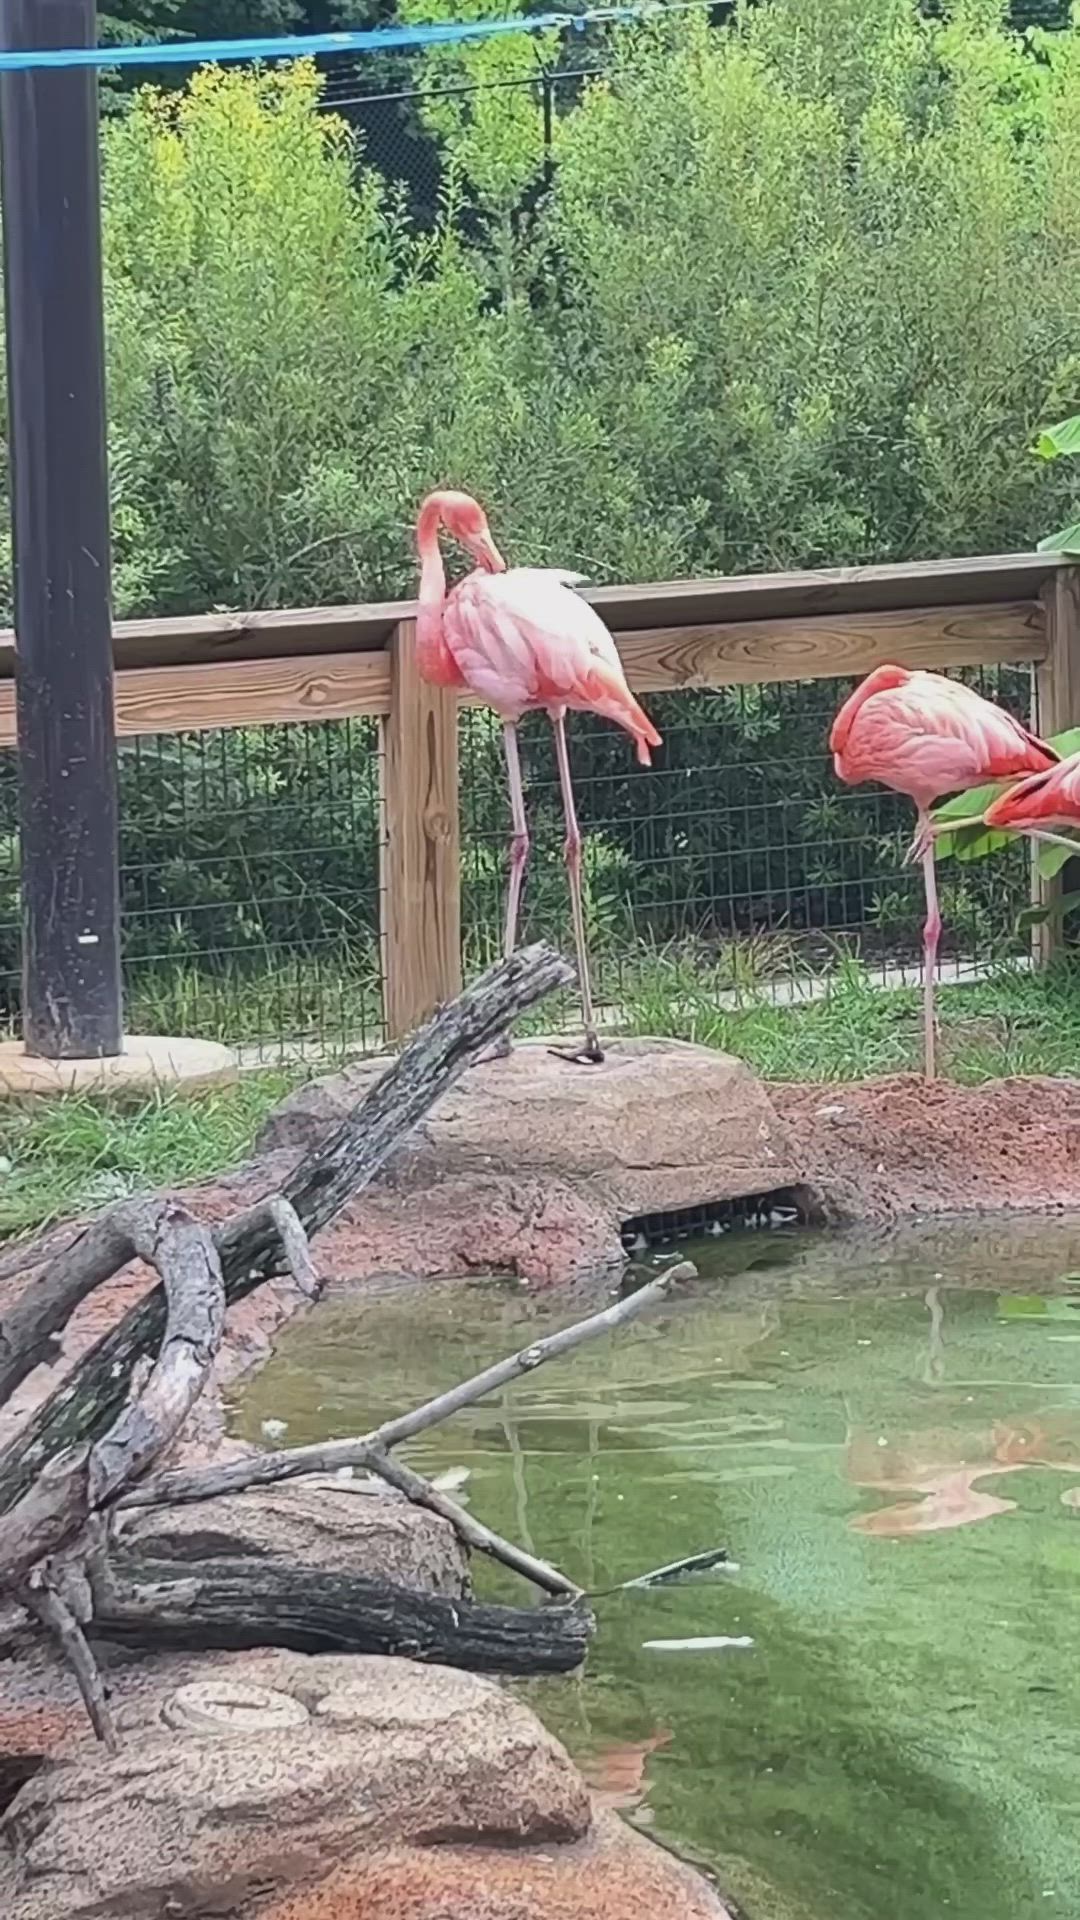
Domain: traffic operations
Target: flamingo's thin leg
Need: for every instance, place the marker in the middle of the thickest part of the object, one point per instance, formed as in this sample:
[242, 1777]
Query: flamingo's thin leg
[591, 1052]
[931, 936]
[519, 845]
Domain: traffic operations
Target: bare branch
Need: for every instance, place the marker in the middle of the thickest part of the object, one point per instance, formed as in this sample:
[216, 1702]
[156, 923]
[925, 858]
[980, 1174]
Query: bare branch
[48, 1606]
[472, 1531]
[35, 1248]
[392, 1432]
[78, 1480]
[28, 1330]
[264, 1469]
[282, 1216]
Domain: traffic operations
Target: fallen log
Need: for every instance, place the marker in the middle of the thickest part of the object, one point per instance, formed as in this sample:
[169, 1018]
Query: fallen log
[246, 1602]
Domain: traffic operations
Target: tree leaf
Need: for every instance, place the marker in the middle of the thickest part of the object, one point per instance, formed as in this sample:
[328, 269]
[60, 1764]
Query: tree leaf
[1050, 859]
[977, 842]
[1066, 540]
[1066, 743]
[1056, 910]
[976, 800]
[1062, 439]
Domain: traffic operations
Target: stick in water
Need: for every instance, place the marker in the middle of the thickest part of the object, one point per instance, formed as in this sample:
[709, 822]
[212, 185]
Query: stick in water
[265, 1469]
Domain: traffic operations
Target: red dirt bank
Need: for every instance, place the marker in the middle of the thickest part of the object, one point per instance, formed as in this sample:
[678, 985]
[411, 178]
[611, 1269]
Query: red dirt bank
[883, 1149]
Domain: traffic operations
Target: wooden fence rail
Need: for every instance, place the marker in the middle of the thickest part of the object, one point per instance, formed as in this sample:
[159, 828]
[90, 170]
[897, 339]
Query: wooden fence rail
[237, 670]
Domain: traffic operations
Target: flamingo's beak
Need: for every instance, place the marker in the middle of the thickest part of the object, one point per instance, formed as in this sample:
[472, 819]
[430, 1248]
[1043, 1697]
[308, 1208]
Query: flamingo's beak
[486, 553]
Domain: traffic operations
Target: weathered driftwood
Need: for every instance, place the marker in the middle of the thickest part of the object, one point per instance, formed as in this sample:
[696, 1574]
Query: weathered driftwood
[470, 1530]
[49, 1607]
[81, 1480]
[77, 1483]
[245, 1602]
[370, 1451]
[108, 1424]
[87, 1449]
[250, 1246]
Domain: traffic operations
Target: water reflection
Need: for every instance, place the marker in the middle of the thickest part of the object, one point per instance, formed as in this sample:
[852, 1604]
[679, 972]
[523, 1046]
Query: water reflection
[900, 1737]
[945, 1465]
[616, 1771]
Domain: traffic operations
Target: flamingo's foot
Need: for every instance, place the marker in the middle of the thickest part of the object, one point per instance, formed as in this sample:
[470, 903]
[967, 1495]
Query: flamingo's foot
[920, 846]
[589, 1055]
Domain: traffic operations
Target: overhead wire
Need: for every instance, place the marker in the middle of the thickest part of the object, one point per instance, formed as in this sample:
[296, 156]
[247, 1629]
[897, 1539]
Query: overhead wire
[195, 53]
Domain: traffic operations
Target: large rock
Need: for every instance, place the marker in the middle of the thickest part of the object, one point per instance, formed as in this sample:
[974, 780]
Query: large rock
[612, 1874]
[320, 1521]
[533, 1164]
[233, 1788]
[277, 1786]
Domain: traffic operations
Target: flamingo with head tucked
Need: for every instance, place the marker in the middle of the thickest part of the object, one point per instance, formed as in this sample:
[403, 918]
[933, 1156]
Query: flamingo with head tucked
[520, 638]
[927, 736]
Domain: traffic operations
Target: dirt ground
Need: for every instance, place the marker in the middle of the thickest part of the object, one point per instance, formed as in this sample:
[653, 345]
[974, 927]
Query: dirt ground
[886, 1149]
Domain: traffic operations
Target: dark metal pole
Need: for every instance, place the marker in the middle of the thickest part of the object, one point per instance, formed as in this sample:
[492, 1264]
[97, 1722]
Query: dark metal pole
[60, 523]
[549, 131]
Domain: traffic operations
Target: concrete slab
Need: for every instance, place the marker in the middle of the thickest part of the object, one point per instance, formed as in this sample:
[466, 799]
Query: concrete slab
[148, 1061]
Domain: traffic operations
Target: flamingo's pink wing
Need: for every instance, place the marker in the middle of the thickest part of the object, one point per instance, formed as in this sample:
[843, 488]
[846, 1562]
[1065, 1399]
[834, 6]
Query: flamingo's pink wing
[929, 736]
[523, 638]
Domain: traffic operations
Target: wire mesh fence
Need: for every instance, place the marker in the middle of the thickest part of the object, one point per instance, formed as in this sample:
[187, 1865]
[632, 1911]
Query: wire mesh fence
[738, 863]
[249, 886]
[738, 866]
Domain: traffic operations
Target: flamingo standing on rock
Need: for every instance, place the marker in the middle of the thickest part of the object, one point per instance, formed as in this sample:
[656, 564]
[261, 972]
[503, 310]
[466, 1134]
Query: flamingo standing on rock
[927, 737]
[520, 638]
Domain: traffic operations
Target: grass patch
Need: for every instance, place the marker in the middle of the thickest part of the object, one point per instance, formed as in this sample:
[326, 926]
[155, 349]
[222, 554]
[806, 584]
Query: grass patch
[333, 998]
[59, 1157]
[1016, 1022]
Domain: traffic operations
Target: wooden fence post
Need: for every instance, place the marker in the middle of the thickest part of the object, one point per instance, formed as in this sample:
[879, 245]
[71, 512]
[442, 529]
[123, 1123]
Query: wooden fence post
[421, 865]
[1057, 706]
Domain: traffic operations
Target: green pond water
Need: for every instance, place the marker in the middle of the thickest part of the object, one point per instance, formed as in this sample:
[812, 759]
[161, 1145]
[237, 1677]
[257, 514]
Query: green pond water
[902, 1739]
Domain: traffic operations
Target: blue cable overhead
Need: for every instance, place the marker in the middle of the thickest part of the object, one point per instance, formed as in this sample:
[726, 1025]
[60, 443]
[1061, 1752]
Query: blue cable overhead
[196, 53]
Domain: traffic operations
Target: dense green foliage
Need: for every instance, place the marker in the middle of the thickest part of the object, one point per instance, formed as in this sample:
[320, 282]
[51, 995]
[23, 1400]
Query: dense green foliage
[221, 19]
[801, 290]
[786, 303]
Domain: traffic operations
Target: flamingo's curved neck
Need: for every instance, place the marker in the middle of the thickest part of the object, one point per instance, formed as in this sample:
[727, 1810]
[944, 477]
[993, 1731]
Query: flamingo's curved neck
[432, 571]
[432, 652]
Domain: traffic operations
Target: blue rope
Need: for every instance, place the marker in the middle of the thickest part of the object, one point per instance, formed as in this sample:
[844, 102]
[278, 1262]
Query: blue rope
[194, 53]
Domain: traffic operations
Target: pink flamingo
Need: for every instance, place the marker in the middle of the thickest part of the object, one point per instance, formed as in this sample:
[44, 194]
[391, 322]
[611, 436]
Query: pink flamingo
[519, 638]
[927, 736]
